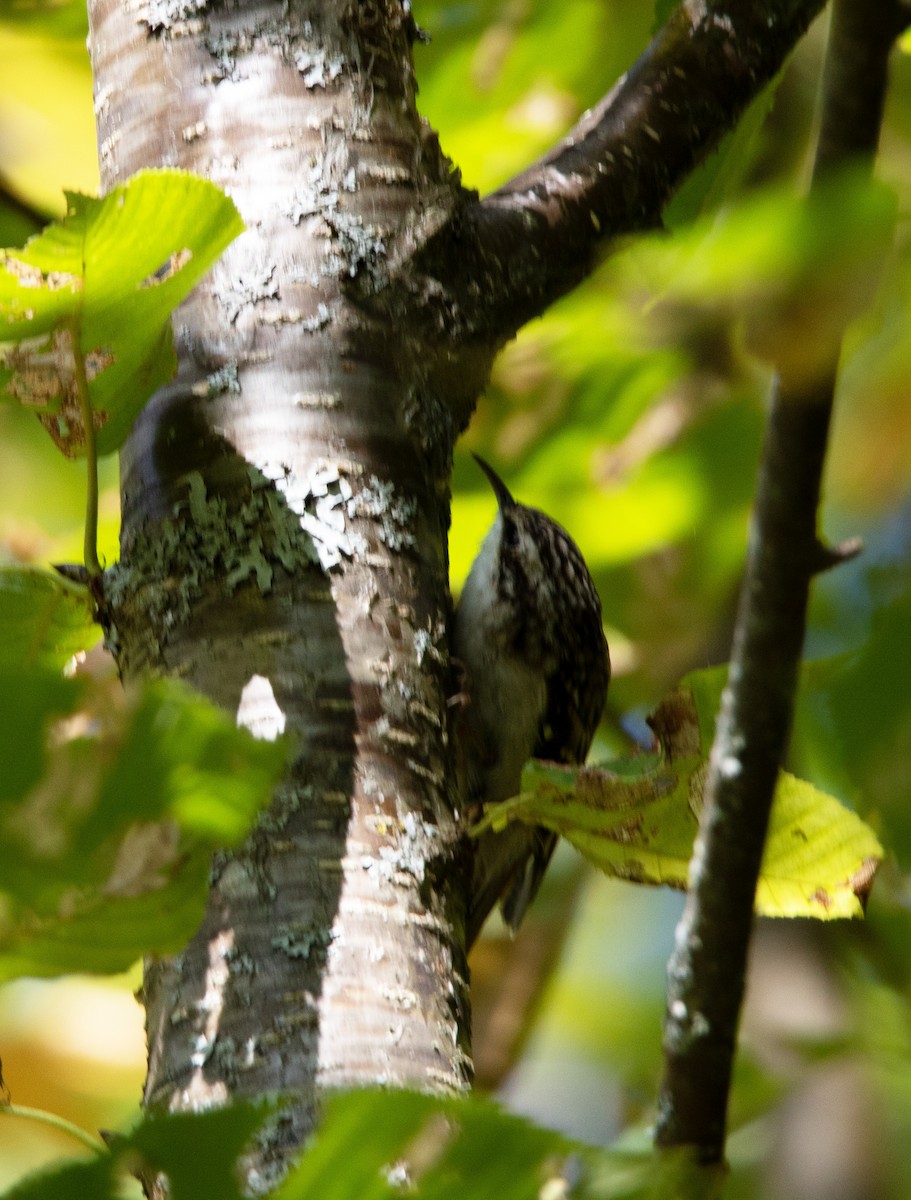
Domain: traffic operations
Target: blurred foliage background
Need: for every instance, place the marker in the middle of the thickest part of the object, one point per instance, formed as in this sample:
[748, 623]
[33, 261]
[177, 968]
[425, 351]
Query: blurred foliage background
[632, 413]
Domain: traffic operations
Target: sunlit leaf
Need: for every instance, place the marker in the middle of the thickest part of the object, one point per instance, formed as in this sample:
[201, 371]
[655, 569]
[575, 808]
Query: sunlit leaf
[500, 83]
[638, 821]
[93, 294]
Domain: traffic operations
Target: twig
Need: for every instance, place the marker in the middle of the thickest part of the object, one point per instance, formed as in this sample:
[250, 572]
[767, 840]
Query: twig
[41, 1117]
[90, 552]
[707, 969]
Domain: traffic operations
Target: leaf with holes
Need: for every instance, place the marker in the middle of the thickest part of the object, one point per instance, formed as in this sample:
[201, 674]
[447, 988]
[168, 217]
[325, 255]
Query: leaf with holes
[86, 304]
[638, 820]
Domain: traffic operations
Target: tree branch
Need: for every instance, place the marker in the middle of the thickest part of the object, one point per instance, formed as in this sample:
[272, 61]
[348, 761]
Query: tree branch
[539, 235]
[707, 969]
[856, 77]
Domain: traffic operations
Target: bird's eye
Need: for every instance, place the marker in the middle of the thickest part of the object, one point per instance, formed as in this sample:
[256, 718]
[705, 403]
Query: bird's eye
[511, 535]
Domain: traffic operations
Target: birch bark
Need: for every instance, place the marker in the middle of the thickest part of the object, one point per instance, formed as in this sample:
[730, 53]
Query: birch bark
[284, 547]
[286, 502]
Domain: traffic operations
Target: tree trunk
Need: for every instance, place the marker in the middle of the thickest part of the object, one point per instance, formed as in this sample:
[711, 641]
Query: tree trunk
[286, 503]
[284, 546]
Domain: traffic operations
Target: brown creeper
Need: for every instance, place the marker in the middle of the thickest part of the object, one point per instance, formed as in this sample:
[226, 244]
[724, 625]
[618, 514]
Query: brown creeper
[528, 633]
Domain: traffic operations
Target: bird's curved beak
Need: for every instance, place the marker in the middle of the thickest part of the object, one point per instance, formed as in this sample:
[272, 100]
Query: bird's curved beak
[500, 490]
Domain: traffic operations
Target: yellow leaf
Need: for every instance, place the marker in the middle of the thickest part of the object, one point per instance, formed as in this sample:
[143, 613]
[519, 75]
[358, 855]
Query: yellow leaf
[639, 821]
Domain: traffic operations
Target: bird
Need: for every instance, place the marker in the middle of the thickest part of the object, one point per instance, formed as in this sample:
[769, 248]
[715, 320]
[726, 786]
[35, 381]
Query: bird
[528, 636]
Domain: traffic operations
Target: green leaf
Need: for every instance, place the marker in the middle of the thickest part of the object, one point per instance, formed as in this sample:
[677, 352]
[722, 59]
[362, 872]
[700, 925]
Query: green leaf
[718, 177]
[64, 19]
[109, 816]
[28, 703]
[197, 1151]
[16, 224]
[795, 269]
[95, 292]
[93, 1180]
[639, 821]
[376, 1144]
[44, 619]
[360, 1137]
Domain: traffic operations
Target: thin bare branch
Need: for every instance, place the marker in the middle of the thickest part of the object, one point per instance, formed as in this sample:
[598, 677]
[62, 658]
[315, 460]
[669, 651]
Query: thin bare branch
[707, 969]
[828, 556]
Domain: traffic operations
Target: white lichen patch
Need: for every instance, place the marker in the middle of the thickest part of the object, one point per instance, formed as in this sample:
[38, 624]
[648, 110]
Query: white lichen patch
[426, 643]
[317, 400]
[223, 380]
[173, 16]
[393, 513]
[247, 289]
[362, 250]
[192, 133]
[320, 500]
[318, 69]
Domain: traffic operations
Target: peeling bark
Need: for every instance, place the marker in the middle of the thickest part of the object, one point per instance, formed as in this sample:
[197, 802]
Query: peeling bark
[286, 502]
[284, 551]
